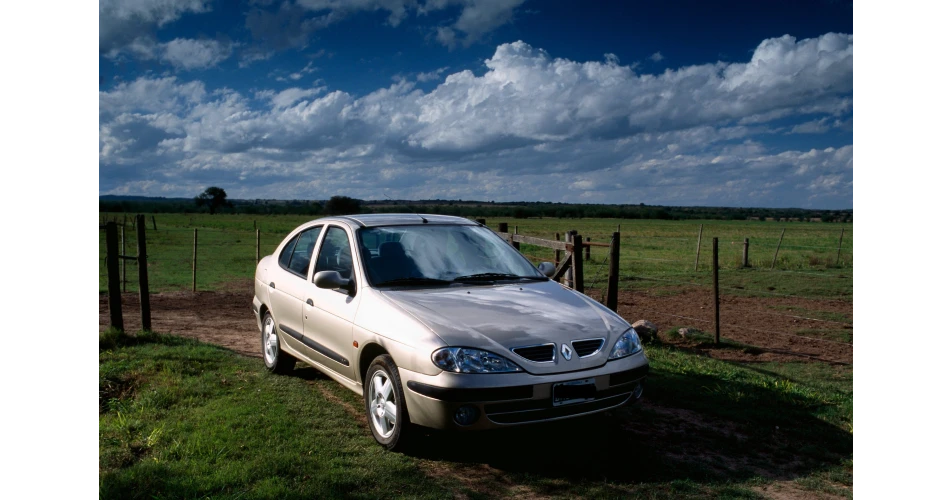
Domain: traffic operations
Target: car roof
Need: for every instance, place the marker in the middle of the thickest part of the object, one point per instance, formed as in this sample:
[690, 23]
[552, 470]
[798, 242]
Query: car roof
[376, 220]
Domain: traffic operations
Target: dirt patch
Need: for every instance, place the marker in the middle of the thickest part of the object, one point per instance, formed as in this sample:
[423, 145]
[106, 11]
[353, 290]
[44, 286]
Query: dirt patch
[754, 321]
[222, 318]
[790, 490]
[225, 318]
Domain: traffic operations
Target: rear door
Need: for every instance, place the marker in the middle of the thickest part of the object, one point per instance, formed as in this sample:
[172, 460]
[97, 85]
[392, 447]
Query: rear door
[289, 284]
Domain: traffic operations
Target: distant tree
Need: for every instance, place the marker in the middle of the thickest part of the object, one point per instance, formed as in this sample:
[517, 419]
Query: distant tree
[341, 205]
[213, 198]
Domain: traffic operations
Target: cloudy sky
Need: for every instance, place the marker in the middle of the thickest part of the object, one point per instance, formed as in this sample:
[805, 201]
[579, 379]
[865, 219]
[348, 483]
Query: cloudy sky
[656, 102]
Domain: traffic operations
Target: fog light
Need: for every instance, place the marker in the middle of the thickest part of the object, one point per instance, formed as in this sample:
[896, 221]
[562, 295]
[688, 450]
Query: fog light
[466, 415]
[638, 390]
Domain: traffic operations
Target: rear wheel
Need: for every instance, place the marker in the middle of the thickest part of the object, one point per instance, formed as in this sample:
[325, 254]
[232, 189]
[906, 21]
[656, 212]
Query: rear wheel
[275, 360]
[385, 404]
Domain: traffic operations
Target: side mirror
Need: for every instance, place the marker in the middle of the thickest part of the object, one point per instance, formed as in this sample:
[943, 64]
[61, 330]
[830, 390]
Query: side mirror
[332, 280]
[548, 269]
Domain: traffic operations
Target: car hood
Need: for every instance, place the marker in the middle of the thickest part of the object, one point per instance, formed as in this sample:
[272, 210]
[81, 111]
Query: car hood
[500, 317]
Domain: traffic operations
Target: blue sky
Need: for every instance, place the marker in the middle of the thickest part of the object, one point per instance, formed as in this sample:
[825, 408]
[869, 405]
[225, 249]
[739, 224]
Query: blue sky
[674, 103]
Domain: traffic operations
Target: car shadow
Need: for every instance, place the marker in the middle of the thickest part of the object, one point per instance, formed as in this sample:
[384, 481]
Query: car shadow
[685, 427]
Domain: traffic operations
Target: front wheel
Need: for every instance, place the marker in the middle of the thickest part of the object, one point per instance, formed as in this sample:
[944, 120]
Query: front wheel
[385, 404]
[275, 360]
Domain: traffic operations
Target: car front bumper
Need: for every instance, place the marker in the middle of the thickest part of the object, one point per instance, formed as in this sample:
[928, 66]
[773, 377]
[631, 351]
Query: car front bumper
[517, 398]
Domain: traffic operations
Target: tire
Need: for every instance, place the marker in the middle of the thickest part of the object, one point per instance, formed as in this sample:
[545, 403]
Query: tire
[275, 359]
[385, 404]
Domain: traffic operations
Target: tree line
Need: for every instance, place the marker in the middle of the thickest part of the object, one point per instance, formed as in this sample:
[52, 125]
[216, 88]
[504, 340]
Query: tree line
[214, 200]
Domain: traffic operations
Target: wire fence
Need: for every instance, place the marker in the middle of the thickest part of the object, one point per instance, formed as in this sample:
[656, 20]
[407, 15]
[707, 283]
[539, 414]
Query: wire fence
[788, 291]
[800, 306]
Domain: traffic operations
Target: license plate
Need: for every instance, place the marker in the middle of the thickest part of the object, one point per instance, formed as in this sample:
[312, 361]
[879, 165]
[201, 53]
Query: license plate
[573, 391]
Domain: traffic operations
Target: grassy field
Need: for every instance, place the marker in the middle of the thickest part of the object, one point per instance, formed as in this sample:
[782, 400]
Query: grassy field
[181, 419]
[655, 254]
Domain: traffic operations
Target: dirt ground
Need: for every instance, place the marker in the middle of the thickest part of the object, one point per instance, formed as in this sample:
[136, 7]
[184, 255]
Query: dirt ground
[226, 318]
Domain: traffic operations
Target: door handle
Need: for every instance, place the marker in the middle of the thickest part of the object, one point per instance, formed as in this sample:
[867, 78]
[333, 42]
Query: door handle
[271, 284]
[310, 302]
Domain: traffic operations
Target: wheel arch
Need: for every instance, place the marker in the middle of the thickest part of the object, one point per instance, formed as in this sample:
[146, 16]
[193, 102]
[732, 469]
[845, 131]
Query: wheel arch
[367, 355]
[262, 311]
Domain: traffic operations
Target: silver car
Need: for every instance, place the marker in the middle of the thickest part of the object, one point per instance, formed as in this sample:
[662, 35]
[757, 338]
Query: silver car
[438, 322]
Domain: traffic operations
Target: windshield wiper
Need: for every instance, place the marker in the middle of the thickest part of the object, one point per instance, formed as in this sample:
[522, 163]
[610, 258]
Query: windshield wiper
[496, 276]
[413, 281]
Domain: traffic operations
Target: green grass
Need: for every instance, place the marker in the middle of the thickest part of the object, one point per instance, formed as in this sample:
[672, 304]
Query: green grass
[181, 419]
[654, 253]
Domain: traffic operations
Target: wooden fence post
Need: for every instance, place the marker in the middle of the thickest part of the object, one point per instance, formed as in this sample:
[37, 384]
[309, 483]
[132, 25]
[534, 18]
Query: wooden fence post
[744, 262]
[843, 230]
[481, 221]
[588, 249]
[145, 308]
[194, 256]
[257, 246]
[503, 227]
[515, 231]
[154, 227]
[578, 281]
[122, 239]
[112, 276]
[778, 248]
[717, 301]
[698, 256]
[558, 253]
[569, 238]
[613, 264]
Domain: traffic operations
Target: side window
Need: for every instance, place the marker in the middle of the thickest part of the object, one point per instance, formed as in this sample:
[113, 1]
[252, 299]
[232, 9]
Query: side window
[285, 258]
[335, 253]
[296, 256]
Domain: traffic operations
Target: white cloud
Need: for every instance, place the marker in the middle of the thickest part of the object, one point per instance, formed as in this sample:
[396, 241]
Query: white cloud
[123, 21]
[430, 75]
[338, 9]
[292, 95]
[531, 127]
[194, 54]
[477, 18]
[181, 53]
[656, 57]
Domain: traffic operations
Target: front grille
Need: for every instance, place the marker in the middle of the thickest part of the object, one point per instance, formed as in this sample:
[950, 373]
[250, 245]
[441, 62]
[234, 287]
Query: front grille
[549, 413]
[587, 347]
[538, 353]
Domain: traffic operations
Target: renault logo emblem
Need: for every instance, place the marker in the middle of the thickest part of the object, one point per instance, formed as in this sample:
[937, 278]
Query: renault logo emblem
[566, 352]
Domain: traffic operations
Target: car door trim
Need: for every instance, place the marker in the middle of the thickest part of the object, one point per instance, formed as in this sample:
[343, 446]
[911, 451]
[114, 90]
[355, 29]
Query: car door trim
[315, 346]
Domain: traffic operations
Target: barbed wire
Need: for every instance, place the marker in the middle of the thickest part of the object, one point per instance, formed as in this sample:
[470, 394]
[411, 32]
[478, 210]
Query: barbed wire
[677, 316]
[727, 287]
[797, 317]
[656, 260]
[777, 294]
[604, 263]
[635, 278]
[786, 271]
[731, 325]
[787, 334]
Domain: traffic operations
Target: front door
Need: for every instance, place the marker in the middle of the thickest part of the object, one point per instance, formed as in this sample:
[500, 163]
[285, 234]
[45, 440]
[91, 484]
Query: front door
[329, 314]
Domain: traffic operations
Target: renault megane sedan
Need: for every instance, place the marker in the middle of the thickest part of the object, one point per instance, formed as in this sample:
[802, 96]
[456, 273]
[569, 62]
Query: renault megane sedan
[438, 322]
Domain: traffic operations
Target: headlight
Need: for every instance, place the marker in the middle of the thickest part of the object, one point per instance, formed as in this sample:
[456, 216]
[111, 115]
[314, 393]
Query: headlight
[627, 344]
[466, 360]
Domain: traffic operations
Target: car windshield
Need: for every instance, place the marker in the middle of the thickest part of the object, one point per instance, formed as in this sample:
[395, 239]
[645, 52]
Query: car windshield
[435, 254]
